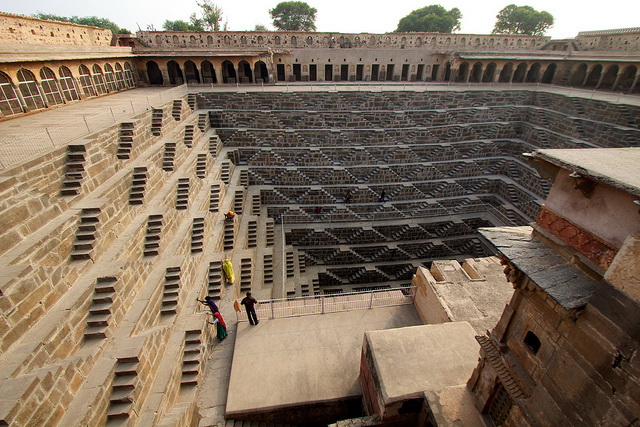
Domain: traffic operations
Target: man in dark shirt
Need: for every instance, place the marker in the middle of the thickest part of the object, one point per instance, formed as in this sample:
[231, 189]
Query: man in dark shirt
[249, 303]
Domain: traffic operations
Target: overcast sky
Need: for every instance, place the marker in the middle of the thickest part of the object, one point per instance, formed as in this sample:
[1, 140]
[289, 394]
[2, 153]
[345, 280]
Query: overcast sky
[347, 16]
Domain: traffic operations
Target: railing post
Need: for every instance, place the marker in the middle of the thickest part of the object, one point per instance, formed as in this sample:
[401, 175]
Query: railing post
[273, 316]
[371, 300]
[322, 304]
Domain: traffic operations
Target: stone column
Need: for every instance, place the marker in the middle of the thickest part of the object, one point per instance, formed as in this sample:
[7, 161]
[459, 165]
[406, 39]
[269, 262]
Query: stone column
[635, 82]
[617, 80]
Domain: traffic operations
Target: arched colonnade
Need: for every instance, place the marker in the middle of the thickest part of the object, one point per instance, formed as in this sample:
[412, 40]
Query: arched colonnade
[205, 71]
[35, 87]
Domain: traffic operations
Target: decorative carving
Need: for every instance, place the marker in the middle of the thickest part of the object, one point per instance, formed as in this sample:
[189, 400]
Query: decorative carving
[512, 273]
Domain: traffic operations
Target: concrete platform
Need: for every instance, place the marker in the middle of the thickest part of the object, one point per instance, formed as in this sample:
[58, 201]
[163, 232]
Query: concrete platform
[398, 367]
[281, 365]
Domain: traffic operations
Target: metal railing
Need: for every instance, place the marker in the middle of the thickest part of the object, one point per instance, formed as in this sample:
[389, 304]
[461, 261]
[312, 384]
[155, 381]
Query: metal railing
[331, 303]
[27, 145]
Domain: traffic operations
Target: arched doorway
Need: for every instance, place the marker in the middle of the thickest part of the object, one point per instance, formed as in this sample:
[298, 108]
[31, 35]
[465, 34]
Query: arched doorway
[462, 72]
[68, 84]
[520, 73]
[261, 72]
[98, 79]
[154, 74]
[50, 88]
[547, 77]
[578, 76]
[505, 73]
[244, 72]
[175, 73]
[29, 90]
[489, 72]
[9, 101]
[534, 73]
[208, 73]
[476, 73]
[594, 76]
[447, 71]
[128, 75]
[119, 77]
[191, 72]
[110, 78]
[609, 77]
[228, 72]
[85, 81]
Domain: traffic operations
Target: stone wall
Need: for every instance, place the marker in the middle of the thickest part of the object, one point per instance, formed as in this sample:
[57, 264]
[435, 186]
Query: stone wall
[624, 39]
[24, 30]
[278, 40]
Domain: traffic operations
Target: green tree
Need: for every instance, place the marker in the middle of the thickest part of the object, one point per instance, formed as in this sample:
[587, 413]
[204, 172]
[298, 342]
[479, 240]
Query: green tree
[211, 15]
[194, 24]
[522, 20]
[260, 27]
[92, 21]
[293, 16]
[434, 18]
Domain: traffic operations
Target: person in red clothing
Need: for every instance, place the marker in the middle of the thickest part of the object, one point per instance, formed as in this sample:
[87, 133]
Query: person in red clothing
[221, 327]
[249, 303]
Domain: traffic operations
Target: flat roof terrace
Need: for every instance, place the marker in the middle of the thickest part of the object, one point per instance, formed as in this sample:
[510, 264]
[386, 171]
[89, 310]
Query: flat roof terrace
[305, 365]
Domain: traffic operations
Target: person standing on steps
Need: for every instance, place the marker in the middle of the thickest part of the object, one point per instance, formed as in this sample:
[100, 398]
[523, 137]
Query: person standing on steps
[383, 197]
[249, 303]
[208, 301]
[221, 327]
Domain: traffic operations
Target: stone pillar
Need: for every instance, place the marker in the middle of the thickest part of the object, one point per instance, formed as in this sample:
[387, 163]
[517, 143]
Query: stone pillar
[453, 74]
[600, 79]
[635, 82]
[586, 76]
[617, 80]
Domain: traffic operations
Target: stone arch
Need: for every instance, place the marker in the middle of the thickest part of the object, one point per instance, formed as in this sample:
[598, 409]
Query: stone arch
[434, 41]
[505, 73]
[154, 74]
[260, 40]
[309, 40]
[463, 70]
[128, 75]
[243, 40]
[175, 73]
[85, 81]
[476, 73]
[477, 41]
[549, 73]
[98, 79]
[578, 76]
[227, 39]
[158, 39]
[209, 40]
[245, 74]
[29, 90]
[208, 72]
[418, 41]
[50, 87]
[463, 41]
[9, 100]
[594, 76]
[175, 40]
[110, 78]
[627, 78]
[261, 72]
[447, 41]
[533, 75]
[610, 77]
[191, 73]
[372, 40]
[489, 73]
[68, 84]
[192, 39]
[120, 84]
[403, 42]
[294, 41]
[520, 73]
[277, 40]
[228, 72]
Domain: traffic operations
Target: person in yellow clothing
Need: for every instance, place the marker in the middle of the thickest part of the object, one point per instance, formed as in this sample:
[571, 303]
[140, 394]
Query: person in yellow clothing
[227, 268]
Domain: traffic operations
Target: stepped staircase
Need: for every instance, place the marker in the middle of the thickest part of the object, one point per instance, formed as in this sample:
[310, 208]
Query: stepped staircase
[171, 291]
[74, 170]
[100, 310]
[86, 234]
